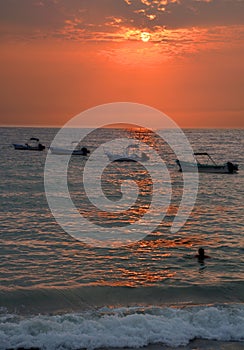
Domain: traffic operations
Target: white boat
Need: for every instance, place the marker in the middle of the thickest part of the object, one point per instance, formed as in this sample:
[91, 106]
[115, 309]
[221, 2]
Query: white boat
[206, 164]
[83, 151]
[33, 144]
[132, 153]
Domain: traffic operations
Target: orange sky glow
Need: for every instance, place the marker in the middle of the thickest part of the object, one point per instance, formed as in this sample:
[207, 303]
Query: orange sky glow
[60, 57]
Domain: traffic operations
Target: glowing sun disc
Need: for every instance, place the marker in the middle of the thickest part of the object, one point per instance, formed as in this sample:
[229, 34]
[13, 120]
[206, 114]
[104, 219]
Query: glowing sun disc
[145, 37]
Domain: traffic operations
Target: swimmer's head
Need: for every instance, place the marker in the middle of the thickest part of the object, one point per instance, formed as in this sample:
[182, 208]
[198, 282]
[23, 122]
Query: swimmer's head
[201, 251]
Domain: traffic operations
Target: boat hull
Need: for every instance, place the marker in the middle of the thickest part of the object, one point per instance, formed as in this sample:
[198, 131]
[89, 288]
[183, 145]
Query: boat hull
[63, 151]
[28, 148]
[123, 159]
[127, 158]
[227, 168]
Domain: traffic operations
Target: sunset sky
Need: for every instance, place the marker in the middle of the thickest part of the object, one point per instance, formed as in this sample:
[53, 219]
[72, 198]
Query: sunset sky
[183, 57]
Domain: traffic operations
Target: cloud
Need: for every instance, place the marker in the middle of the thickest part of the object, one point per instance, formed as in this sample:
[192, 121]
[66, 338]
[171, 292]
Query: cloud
[104, 19]
[171, 44]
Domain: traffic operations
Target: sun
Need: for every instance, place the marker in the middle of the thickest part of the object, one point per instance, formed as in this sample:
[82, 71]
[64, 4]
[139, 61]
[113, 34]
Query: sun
[145, 36]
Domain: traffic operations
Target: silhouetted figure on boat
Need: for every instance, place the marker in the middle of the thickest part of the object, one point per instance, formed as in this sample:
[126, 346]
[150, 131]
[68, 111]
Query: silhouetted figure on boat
[85, 151]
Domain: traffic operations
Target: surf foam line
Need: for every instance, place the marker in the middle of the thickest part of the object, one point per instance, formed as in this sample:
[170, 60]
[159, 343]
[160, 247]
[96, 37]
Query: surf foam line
[123, 327]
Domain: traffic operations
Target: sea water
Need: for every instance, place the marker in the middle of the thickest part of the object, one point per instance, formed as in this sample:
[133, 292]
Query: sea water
[60, 293]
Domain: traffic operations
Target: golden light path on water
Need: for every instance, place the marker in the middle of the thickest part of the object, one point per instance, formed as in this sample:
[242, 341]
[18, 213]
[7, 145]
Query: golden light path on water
[38, 253]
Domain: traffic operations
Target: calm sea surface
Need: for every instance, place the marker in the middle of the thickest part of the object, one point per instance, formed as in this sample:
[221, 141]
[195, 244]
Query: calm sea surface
[54, 288]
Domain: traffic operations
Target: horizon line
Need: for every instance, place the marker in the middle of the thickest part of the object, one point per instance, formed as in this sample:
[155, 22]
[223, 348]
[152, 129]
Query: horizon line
[117, 127]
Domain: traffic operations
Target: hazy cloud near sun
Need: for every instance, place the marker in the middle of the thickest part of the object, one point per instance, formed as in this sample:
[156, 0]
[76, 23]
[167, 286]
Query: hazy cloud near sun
[90, 19]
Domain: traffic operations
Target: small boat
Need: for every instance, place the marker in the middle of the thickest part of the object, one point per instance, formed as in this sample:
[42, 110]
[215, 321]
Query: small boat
[83, 151]
[206, 164]
[32, 145]
[132, 153]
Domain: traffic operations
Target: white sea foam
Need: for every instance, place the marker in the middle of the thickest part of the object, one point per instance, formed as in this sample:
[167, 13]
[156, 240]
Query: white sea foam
[125, 327]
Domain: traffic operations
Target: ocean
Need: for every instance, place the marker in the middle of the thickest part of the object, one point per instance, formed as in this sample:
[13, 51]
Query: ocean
[57, 292]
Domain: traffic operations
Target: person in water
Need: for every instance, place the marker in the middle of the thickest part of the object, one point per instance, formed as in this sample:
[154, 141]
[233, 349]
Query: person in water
[201, 255]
